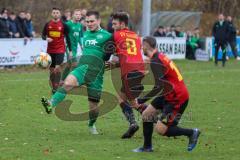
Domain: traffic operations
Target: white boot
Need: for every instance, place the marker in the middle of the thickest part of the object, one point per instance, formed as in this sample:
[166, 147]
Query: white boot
[93, 130]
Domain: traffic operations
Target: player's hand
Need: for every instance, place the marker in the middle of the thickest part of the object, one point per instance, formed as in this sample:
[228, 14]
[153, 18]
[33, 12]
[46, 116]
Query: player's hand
[134, 104]
[49, 40]
[115, 59]
[108, 65]
[17, 35]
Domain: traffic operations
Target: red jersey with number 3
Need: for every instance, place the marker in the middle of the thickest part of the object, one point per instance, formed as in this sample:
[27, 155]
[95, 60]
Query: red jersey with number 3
[179, 94]
[55, 30]
[128, 48]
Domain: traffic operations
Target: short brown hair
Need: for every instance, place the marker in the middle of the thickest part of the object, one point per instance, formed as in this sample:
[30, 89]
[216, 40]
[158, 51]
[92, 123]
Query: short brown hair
[151, 41]
[77, 10]
[121, 17]
[95, 13]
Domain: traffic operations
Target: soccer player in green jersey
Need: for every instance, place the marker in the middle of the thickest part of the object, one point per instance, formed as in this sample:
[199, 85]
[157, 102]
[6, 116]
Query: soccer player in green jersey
[75, 35]
[89, 71]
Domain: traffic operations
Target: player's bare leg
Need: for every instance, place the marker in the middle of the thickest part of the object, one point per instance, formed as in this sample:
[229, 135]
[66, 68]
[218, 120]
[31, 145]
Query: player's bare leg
[171, 131]
[56, 77]
[68, 67]
[93, 114]
[69, 83]
[51, 77]
[149, 116]
[66, 70]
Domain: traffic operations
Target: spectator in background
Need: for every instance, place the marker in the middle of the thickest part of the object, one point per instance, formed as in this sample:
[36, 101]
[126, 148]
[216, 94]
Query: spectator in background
[22, 25]
[220, 33]
[179, 32]
[67, 15]
[159, 32]
[109, 25]
[4, 24]
[197, 32]
[83, 13]
[193, 42]
[172, 32]
[29, 24]
[167, 30]
[232, 37]
[82, 20]
[13, 26]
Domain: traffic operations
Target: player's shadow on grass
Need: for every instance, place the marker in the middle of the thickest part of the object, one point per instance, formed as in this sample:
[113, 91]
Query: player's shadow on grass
[62, 111]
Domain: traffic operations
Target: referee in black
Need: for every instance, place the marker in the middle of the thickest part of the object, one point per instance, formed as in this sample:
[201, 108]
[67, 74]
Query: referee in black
[220, 33]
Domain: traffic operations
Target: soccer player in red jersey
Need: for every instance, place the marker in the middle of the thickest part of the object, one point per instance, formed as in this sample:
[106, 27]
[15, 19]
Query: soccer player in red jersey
[171, 104]
[54, 32]
[128, 49]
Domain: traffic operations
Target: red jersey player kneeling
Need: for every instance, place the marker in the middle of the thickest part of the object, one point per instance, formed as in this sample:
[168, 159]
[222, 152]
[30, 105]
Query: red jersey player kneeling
[128, 50]
[171, 104]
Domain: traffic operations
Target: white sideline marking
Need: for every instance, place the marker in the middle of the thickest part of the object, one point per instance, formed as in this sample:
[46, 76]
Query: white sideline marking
[209, 71]
[190, 72]
[23, 80]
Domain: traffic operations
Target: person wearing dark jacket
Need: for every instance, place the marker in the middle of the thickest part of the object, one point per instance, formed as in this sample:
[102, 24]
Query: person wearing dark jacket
[159, 32]
[232, 37]
[22, 25]
[13, 26]
[30, 24]
[4, 24]
[220, 33]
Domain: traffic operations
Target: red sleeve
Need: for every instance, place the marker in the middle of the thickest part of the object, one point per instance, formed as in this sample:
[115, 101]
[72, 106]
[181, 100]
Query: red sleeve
[116, 36]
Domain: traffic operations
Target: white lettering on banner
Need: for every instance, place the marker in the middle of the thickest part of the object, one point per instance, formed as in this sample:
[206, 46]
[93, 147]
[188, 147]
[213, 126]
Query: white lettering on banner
[15, 52]
[174, 48]
[6, 60]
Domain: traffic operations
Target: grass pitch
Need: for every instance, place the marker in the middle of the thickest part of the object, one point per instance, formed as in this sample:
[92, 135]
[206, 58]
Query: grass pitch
[26, 132]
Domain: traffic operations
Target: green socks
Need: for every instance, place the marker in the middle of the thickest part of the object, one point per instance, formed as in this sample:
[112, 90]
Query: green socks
[58, 97]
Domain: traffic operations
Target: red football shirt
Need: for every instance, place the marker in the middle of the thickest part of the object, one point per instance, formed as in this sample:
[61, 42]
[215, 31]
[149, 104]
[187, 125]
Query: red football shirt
[179, 94]
[128, 48]
[55, 30]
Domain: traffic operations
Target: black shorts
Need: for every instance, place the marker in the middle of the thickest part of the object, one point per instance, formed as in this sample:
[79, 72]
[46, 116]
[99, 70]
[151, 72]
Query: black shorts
[57, 59]
[131, 84]
[173, 111]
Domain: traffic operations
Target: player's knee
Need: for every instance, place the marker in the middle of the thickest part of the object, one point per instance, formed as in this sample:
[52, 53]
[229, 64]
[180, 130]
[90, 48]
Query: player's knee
[68, 65]
[147, 116]
[74, 64]
[122, 98]
[161, 128]
[70, 82]
[67, 82]
[51, 70]
[57, 69]
[144, 116]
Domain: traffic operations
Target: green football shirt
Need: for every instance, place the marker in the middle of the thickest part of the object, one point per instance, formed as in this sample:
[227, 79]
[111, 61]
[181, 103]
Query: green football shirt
[75, 34]
[94, 44]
